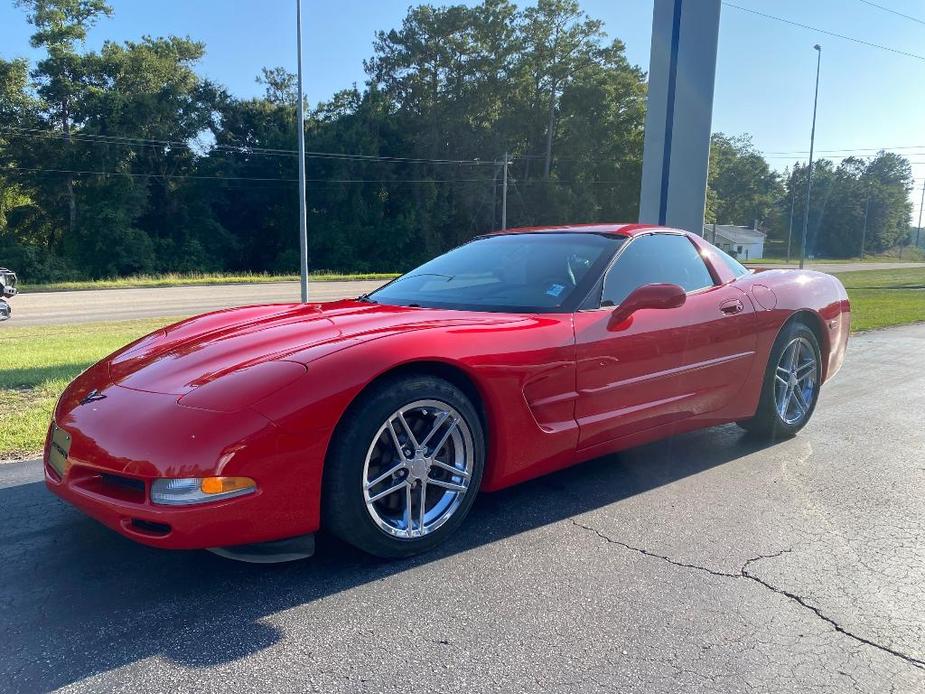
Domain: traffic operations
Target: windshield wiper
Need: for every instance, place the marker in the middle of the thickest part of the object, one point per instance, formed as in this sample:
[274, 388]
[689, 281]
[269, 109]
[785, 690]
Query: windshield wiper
[365, 298]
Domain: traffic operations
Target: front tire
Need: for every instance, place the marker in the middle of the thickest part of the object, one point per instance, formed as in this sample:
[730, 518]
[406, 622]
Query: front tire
[791, 385]
[404, 467]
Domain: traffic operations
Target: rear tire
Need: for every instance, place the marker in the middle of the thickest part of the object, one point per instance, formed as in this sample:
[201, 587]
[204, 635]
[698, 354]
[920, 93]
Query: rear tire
[404, 467]
[791, 385]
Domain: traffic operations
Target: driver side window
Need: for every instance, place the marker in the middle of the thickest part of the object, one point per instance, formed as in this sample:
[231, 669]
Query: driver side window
[656, 258]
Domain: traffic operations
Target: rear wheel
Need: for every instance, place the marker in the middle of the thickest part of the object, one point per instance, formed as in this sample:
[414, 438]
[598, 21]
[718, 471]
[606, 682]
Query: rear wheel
[791, 384]
[404, 467]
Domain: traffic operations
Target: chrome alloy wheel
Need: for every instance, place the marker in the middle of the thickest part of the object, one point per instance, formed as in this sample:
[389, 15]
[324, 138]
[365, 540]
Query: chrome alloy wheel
[418, 468]
[795, 381]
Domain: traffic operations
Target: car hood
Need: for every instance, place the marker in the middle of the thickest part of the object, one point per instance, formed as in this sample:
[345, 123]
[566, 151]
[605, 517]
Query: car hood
[199, 350]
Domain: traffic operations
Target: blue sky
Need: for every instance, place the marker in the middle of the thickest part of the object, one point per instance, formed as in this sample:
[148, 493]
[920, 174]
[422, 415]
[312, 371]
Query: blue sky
[869, 98]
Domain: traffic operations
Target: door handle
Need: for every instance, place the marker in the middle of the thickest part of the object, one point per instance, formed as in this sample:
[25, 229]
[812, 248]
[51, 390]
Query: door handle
[732, 307]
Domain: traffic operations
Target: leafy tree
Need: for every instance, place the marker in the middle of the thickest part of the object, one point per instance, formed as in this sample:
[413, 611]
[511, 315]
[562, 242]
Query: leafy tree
[59, 25]
[127, 160]
[742, 188]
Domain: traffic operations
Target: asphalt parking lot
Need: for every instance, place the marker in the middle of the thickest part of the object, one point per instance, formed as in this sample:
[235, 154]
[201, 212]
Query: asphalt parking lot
[707, 563]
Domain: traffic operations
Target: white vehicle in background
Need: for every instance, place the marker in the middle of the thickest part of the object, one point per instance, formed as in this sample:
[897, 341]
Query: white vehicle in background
[7, 290]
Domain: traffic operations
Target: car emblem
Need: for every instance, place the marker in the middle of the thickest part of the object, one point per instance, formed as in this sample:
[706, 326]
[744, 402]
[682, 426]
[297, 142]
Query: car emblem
[92, 396]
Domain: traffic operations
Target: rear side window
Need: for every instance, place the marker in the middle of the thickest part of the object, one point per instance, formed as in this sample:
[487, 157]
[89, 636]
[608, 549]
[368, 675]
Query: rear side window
[735, 267]
[657, 258]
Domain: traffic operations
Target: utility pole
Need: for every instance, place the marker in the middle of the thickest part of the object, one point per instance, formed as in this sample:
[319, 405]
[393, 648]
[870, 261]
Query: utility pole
[792, 199]
[303, 213]
[504, 195]
[809, 170]
[919, 228]
[864, 230]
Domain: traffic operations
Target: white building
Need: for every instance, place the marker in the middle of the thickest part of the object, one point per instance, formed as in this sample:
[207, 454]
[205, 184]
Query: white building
[742, 243]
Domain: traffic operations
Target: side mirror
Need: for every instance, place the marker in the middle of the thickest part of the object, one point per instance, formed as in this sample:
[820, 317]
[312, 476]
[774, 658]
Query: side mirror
[647, 296]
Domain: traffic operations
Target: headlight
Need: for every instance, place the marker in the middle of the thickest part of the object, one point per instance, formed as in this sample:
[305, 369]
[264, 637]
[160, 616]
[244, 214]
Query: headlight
[197, 490]
[239, 389]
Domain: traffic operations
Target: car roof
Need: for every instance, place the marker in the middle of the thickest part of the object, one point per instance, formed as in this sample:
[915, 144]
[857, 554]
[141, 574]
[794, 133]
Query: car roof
[598, 228]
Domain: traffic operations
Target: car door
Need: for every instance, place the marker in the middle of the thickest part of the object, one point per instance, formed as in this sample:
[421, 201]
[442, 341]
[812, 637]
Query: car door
[660, 365]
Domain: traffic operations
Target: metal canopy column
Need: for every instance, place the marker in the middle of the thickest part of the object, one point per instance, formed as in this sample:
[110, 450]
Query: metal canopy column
[682, 69]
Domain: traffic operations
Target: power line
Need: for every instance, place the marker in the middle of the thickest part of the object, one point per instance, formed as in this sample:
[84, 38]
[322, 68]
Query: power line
[235, 149]
[862, 42]
[892, 11]
[241, 178]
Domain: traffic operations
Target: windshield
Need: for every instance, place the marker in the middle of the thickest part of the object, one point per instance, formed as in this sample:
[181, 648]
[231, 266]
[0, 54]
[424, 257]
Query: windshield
[525, 272]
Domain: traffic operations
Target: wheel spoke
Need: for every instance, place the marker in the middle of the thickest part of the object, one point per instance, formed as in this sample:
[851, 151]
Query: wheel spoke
[795, 355]
[408, 432]
[386, 492]
[447, 485]
[395, 441]
[781, 379]
[801, 401]
[446, 435]
[384, 476]
[422, 509]
[449, 468]
[438, 422]
[806, 369]
[785, 401]
[408, 509]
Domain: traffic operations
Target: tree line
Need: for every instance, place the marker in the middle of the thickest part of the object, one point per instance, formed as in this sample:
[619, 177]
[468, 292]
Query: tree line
[127, 160]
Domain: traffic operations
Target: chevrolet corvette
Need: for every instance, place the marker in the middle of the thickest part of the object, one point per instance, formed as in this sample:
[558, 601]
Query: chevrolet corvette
[378, 419]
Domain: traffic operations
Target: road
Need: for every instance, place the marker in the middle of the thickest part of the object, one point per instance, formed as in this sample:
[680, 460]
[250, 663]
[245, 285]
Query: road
[843, 267]
[58, 308]
[709, 563]
[86, 306]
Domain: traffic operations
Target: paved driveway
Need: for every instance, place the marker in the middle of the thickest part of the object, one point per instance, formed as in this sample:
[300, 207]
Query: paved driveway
[710, 563]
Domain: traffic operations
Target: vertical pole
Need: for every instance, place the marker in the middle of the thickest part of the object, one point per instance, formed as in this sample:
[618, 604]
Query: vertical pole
[504, 196]
[918, 230]
[809, 171]
[864, 230]
[303, 214]
[792, 200]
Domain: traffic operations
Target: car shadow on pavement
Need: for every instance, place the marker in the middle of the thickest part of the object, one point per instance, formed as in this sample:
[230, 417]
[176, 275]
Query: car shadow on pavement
[76, 599]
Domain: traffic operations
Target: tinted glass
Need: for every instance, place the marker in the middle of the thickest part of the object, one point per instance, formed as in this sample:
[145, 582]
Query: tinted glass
[735, 267]
[656, 259]
[514, 272]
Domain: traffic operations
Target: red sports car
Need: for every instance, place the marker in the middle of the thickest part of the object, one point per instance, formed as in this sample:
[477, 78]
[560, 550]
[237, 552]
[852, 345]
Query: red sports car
[245, 431]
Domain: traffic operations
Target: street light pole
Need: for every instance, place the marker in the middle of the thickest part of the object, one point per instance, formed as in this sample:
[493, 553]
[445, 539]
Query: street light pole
[864, 230]
[504, 196]
[303, 214]
[792, 200]
[918, 230]
[809, 170]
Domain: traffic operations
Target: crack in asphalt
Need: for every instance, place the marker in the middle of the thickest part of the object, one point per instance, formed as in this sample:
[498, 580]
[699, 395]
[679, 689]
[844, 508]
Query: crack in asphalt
[744, 573]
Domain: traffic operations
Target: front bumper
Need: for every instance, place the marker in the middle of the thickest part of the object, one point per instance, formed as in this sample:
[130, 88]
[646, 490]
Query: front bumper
[117, 445]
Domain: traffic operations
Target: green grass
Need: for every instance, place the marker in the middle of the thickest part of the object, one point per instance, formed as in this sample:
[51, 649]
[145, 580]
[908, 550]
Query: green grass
[194, 279]
[881, 298]
[909, 256]
[36, 363]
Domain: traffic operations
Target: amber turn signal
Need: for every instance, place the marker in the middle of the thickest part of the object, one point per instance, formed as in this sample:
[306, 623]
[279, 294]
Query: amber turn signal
[221, 485]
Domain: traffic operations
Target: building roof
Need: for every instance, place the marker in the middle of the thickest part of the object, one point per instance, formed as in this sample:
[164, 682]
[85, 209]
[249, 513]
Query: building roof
[735, 234]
